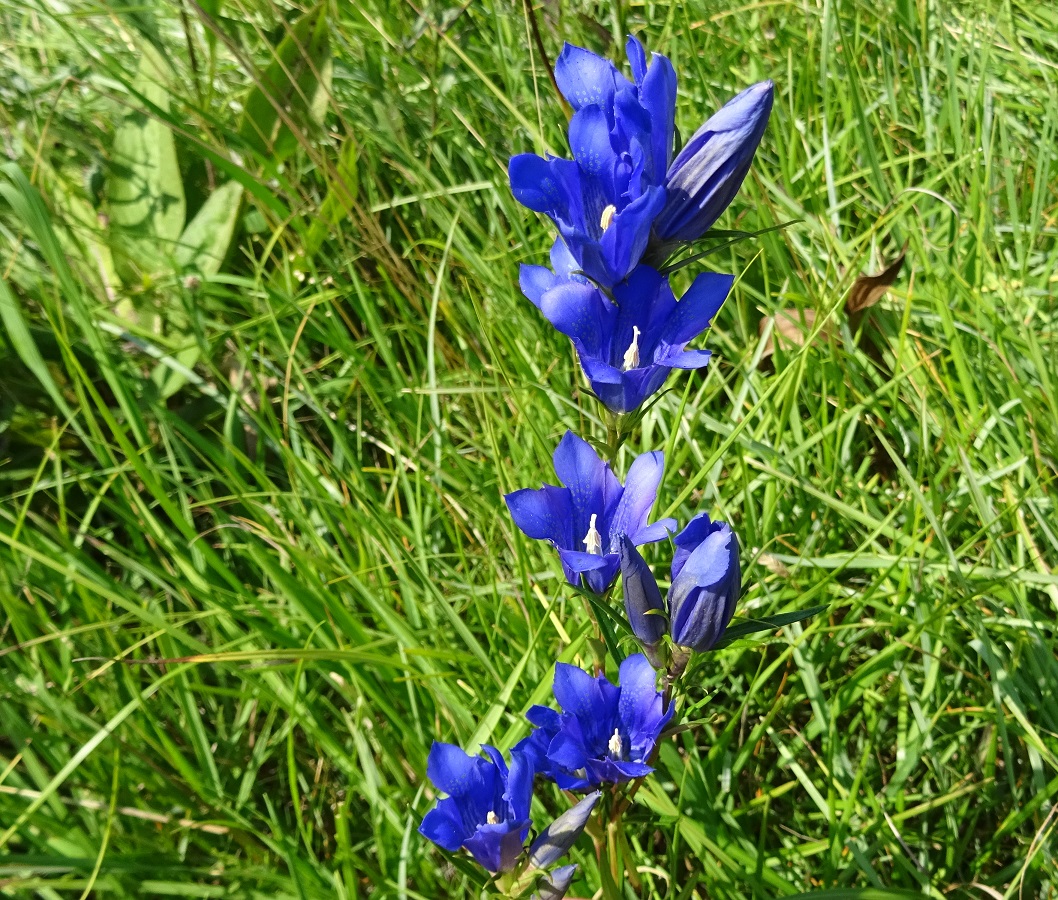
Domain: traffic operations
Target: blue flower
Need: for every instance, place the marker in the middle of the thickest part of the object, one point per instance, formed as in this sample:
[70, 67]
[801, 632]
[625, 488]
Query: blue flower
[627, 346]
[706, 582]
[605, 199]
[705, 176]
[487, 810]
[605, 733]
[585, 517]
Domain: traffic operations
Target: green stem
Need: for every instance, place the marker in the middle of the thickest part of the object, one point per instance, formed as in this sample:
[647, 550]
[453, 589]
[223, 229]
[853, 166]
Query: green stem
[613, 437]
[608, 851]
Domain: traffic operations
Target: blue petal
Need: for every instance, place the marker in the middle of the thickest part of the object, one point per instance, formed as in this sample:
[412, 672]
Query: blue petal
[697, 307]
[581, 312]
[535, 281]
[567, 751]
[562, 260]
[585, 78]
[543, 717]
[658, 94]
[534, 185]
[534, 748]
[589, 139]
[707, 173]
[452, 771]
[703, 596]
[616, 771]
[497, 759]
[444, 826]
[591, 701]
[619, 391]
[542, 514]
[637, 57]
[658, 531]
[519, 792]
[687, 359]
[644, 301]
[642, 596]
[625, 240]
[497, 847]
[590, 483]
[641, 706]
[696, 531]
[641, 490]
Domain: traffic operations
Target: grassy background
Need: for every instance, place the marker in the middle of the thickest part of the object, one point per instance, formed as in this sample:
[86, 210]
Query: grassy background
[254, 553]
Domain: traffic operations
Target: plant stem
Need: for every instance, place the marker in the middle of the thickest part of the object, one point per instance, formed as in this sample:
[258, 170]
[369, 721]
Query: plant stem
[613, 437]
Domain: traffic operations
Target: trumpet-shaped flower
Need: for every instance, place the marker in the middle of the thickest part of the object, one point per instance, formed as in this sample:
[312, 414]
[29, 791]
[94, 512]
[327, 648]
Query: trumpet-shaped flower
[705, 176]
[487, 810]
[706, 581]
[606, 733]
[605, 199]
[585, 517]
[627, 346]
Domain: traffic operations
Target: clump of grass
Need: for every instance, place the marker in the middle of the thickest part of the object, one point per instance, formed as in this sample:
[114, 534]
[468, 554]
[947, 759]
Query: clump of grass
[254, 553]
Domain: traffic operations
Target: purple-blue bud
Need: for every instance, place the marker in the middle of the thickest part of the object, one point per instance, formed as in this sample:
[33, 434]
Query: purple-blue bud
[643, 605]
[706, 582]
[557, 839]
[705, 176]
[553, 885]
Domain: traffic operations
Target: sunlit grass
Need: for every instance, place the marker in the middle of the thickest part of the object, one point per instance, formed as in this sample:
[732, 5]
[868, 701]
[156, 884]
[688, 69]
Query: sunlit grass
[255, 556]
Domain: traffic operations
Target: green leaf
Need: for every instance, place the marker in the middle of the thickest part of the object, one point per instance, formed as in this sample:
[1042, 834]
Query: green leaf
[18, 336]
[145, 196]
[292, 92]
[205, 242]
[768, 623]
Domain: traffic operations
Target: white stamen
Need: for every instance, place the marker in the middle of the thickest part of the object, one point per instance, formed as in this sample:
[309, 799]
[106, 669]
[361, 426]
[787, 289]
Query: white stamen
[615, 744]
[632, 353]
[593, 540]
[607, 216]
[492, 819]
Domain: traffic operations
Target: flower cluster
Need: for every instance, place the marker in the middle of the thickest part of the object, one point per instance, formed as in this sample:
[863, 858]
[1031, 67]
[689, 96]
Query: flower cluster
[622, 206]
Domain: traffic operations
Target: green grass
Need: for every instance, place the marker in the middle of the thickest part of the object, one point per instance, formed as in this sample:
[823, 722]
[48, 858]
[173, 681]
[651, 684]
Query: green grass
[254, 552]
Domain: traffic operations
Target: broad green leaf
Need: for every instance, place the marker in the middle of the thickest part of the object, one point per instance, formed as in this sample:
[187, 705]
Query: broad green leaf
[292, 92]
[145, 196]
[205, 242]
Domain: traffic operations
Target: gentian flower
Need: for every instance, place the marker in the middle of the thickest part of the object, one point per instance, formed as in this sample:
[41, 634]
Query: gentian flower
[605, 199]
[487, 810]
[705, 176]
[605, 733]
[586, 516]
[706, 581]
[627, 347]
